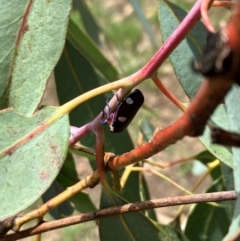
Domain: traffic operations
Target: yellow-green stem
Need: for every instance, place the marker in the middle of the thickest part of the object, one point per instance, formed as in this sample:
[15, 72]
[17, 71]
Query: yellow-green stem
[163, 177]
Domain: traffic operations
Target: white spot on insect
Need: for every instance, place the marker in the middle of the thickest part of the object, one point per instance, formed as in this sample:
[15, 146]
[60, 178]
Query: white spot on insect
[129, 101]
[122, 119]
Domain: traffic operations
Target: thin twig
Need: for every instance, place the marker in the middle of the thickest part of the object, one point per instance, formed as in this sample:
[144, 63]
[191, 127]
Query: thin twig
[154, 172]
[90, 181]
[117, 210]
[223, 4]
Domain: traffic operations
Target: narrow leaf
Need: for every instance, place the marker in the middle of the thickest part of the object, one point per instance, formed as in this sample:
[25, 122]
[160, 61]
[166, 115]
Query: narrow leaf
[147, 130]
[127, 226]
[207, 222]
[133, 226]
[86, 46]
[233, 109]
[171, 233]
[219, 119]
[139, 12]
[64, 209]
[68, 177]
[228, 180]
[170, 15]
[88, 20]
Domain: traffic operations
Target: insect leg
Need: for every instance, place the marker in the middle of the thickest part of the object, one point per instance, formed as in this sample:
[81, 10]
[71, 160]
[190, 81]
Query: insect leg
[107, 107]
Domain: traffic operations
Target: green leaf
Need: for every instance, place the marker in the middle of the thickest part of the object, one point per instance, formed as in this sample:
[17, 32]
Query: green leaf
[64, 209]
[207, 222]
[33, 35]
[88, 20]
[68, 177]
[171, 233]
[133, 226]
[127, 226]
[219, 119]
[228, 180]
[134, 191]
[9, 11]
[31, 157]
[227, 174]
[170, 15]
[145, 195]
[140, 14]
[86, 47]
[206, 157]
[147, 130]
[233, 109]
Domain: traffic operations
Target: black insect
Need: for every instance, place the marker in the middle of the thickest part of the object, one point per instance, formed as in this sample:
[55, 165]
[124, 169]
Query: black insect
[125, 112]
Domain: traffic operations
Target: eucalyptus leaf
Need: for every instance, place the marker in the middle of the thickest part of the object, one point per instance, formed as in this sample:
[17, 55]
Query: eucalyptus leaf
[32, 38]
[68, 177]
[206, 157]
[220, 120]
[83, 43]
[208, 222]
[31, 157]
[233, 109]
[147, 129]
[64, 209]
[88, 20]
[170, 15]
[133, 226]
[140, 14]
[127, 226]
[11, 18]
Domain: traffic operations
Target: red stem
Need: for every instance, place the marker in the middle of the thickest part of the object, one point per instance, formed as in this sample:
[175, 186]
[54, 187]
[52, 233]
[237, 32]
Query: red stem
[172, 42]
[168, 94]
[191, 123]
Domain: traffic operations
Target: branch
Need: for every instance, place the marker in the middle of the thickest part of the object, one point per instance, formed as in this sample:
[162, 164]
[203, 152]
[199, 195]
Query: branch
[89, 181]
[149, 70]
[117, 210]
[191, 123]
[225, 138]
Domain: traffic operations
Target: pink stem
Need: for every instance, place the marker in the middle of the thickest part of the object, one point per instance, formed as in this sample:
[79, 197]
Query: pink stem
[173, 41]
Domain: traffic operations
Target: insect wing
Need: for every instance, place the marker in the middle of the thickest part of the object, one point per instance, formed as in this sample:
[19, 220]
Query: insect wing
[126, 111]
